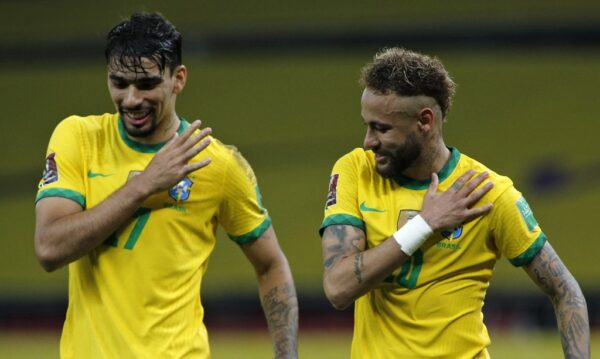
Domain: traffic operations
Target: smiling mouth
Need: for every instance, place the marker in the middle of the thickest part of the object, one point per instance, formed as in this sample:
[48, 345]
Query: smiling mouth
[380, 158]
[138, 117]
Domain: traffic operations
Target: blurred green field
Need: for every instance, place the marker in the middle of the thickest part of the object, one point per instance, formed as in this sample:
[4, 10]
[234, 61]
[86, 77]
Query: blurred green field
[312, 345]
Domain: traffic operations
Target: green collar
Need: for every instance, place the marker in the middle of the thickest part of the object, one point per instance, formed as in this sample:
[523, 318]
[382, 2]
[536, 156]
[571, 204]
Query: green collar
[442, 174]
[143, 147]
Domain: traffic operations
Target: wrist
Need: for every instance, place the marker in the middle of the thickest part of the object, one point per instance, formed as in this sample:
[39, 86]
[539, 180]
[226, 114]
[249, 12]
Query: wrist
[139, 187]
[413, 234]
[430, 222]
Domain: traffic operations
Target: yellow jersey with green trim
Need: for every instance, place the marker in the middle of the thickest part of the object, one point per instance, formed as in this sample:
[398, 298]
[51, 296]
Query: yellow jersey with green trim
[138, 294]
[430, 307]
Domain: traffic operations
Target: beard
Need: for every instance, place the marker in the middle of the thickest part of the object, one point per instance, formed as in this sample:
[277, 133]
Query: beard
[401, 158]
[144, 130]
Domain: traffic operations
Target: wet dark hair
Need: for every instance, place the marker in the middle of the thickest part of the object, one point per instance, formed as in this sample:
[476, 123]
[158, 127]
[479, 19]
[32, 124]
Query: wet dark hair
[407, 73]
[143, 35]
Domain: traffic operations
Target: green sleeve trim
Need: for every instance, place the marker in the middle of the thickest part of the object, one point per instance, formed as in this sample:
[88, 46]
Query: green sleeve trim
[531, 252]
[342, 219]
[62, 192]
[252, 235]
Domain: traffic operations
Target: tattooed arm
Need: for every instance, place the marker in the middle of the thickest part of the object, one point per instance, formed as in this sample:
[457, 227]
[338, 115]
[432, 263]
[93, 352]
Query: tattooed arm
[551, 275]
[350, 270]
[277, 292]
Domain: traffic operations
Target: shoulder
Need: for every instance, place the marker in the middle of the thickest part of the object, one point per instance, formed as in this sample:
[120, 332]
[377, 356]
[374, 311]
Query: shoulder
[228, 158]
[501, 183]
[358, 158]
[87, 124]
[222, 152]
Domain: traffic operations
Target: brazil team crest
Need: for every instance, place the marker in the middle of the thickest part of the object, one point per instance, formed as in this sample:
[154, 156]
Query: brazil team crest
[453, 234]
[405, 216]
[181, 191]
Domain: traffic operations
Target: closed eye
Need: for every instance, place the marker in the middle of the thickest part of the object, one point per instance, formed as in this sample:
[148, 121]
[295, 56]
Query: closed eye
[119, 84]
[379, 127]
[148, 83]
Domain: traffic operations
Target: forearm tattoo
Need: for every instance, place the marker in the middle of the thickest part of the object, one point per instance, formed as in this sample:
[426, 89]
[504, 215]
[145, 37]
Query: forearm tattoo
[343, 242]
[281, 310]
[358, 267]
[568, 301]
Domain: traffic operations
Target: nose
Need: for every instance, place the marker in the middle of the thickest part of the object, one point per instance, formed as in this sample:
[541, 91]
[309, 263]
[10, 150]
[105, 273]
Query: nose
[132, 97]
[370, 142]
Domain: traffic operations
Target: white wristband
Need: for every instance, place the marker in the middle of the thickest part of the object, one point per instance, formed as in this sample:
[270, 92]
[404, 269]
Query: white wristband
[413, 234]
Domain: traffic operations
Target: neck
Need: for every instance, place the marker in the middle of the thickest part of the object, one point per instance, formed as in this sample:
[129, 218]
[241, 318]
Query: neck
[171, 126]
[165, 130]
[431, 160]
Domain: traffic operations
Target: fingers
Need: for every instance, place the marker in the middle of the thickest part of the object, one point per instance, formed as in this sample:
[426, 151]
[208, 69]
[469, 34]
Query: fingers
[460, 182]
[186, 144]
[170, 143]
[193, 166]
[183, 138]
[433, 186]
[193, 140]
[474, 183]
[191, 129]
[476, 195]
[197, 149]
[177, 139]
[477, 212]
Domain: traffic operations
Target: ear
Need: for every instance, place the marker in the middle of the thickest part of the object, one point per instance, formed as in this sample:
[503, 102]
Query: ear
[180, 75]
[426, 118]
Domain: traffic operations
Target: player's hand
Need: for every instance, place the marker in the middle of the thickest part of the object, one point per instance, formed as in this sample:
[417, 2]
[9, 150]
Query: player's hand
[172, 163]
[450, 209]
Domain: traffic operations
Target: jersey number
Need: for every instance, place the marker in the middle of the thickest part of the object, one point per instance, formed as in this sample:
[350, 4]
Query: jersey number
[141, 217]
[409, 273]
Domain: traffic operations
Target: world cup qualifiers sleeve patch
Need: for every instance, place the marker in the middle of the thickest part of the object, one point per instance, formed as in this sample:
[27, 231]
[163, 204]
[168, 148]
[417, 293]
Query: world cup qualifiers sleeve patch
[332, 194]
[50, 171]
[526, 213]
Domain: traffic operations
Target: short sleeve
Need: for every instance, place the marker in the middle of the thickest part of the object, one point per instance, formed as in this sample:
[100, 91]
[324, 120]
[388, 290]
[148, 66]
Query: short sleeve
[63, 173]
[515, 229]
[241, 212]
[341, 206]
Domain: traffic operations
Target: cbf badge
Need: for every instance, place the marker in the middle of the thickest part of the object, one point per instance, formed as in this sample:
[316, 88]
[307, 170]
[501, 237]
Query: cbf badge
[453, 234]
[181, 191]
[405, 216]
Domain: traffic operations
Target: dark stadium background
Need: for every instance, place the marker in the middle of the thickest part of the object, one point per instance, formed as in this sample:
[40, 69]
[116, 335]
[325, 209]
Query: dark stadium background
[278, 79]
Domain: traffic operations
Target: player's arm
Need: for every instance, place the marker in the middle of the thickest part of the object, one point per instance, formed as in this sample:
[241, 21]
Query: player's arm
[551, 275]
[277, 292]
[350, 270]
[64, 231]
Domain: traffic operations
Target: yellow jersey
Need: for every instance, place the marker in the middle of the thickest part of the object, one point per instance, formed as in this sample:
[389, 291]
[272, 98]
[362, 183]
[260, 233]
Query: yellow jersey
[138, 294]
[430, 307]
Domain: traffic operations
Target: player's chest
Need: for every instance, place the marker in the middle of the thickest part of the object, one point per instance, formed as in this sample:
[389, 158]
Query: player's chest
[106, 174]
[384, 212]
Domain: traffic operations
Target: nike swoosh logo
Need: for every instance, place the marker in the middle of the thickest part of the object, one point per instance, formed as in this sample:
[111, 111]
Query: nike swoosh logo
[364, 208]
[91, 174]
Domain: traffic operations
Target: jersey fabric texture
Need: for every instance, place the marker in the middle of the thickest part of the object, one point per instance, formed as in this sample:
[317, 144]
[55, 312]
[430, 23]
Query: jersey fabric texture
[430, 307]
[138, 294]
